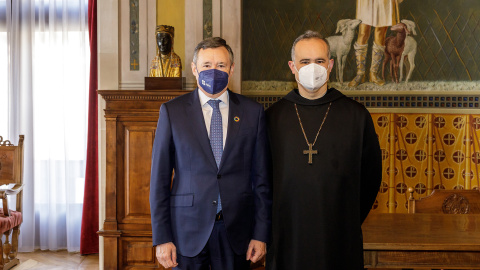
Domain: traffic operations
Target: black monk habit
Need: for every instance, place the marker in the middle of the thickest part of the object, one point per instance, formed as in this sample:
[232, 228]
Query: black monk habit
[318, 208]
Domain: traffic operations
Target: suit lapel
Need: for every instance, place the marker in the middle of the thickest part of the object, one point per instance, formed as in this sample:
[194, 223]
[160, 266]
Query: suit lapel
[235, 114]
[197, 123]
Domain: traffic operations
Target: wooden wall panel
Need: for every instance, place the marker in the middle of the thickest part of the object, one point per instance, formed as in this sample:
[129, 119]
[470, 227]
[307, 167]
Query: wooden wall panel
[138, 253]
[131, 123]
[138, 152]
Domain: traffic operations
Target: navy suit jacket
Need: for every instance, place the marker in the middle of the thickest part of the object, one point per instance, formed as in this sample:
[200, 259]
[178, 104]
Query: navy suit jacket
[184, 212]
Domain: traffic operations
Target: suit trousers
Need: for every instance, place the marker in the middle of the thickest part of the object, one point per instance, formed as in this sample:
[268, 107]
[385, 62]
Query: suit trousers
[216, 255]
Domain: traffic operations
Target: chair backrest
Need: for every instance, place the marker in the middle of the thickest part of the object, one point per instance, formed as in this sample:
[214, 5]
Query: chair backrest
[442, 201]
[11, 166]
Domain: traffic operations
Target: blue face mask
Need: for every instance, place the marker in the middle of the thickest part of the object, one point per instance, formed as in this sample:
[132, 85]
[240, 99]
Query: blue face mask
[213, 81]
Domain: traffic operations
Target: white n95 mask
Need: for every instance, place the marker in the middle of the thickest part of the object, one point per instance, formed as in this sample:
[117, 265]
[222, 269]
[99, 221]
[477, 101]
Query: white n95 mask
[312, 76]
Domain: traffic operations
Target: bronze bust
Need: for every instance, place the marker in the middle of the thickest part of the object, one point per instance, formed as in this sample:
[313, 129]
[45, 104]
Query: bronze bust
[166, 63]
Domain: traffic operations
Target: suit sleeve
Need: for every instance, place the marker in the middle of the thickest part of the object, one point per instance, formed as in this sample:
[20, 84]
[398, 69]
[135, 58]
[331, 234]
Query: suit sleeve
[371, 168]
[163, 159]
[261, 174]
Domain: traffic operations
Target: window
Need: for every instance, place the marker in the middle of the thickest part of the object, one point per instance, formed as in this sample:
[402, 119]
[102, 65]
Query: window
[44, 75]
[4, 70]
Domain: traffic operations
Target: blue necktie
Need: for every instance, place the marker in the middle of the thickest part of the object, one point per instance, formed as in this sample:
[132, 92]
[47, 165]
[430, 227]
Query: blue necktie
[216, 138]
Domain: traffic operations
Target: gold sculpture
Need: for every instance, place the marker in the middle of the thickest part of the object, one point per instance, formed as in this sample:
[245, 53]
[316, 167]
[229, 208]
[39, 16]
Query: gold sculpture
[167, 63]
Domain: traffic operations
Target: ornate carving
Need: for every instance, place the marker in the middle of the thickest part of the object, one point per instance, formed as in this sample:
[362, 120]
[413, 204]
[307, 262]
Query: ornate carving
[166, 63]
[456, 204]
[5, 143]
[127, 97]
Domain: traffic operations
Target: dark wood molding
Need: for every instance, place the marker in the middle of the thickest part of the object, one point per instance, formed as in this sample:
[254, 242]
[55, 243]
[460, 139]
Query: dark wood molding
[131, 118]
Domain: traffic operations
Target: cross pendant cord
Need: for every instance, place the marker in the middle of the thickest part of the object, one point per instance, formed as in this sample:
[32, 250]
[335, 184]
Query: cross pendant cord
[310, 152]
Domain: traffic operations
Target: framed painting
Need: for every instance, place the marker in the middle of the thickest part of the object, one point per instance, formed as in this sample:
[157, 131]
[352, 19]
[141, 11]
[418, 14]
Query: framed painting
[391, 53]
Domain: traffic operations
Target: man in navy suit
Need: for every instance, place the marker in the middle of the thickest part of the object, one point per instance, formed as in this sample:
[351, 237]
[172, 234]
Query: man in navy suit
[217, 211]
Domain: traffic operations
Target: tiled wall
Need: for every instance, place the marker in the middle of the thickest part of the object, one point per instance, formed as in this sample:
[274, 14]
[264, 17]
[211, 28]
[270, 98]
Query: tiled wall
[419, 101]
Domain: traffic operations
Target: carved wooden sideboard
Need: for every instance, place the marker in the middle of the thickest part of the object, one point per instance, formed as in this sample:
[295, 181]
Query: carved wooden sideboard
[131, 119]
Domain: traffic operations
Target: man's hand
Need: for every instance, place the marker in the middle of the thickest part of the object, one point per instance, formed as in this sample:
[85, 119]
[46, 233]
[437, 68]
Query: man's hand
[167, 255]
[256, 250]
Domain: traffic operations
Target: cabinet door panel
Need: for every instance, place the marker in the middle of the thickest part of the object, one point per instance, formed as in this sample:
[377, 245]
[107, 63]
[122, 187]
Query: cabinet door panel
[137, 157]
[138, 253]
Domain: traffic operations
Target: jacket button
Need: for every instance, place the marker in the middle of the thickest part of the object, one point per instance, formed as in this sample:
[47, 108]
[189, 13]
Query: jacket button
[214, 202]
[219, 176]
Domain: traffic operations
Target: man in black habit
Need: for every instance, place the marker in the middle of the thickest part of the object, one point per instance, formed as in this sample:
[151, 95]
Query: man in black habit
[326, 167]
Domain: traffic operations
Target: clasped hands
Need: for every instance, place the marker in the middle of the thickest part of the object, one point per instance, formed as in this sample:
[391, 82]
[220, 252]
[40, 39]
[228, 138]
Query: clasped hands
[167, 253]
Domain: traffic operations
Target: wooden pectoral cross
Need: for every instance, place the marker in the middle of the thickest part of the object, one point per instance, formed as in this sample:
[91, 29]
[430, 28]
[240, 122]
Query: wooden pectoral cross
[310, 152]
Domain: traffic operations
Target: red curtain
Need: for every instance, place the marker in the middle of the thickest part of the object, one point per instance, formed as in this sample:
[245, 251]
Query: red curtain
[89, 236]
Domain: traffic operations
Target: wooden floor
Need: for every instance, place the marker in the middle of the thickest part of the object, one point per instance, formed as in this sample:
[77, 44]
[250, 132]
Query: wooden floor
[56, 260]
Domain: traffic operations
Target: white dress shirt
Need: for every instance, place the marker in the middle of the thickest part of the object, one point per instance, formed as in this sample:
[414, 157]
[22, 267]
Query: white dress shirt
[208, 110]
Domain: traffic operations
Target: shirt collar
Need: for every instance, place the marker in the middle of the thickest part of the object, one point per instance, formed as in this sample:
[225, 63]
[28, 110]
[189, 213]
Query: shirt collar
[204, 99]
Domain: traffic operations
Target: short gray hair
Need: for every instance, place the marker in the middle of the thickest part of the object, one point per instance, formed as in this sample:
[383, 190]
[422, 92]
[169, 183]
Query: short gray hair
[210, 43]
[309, 34]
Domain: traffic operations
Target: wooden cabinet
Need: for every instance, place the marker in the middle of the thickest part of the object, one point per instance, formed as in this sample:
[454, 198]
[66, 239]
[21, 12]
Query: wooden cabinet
[131, 119]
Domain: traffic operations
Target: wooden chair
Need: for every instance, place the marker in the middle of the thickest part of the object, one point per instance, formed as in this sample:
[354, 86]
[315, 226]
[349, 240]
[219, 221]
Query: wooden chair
[11, 174]
[442, 201]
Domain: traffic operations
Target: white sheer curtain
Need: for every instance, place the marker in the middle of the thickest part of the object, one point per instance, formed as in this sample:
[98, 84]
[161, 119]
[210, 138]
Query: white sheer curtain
[45, 43]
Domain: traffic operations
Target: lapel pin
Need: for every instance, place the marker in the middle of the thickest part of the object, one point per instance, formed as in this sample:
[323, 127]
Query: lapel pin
[236, 119]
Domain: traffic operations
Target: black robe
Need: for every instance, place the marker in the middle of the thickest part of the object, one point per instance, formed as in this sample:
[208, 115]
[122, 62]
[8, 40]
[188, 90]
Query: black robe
[318, 208]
